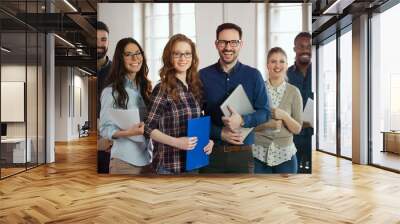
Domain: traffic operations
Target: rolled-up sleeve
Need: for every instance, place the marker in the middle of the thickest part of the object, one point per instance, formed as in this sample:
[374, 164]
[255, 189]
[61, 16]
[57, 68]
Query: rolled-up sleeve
[261, 105]
[157, 108]
[107, 127]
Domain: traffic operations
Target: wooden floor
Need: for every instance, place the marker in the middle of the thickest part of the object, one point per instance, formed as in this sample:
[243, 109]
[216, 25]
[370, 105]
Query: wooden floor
[70, 191]
[387, 159]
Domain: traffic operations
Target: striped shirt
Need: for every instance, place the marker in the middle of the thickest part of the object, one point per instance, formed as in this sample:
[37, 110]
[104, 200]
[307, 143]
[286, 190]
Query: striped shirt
[171, 118]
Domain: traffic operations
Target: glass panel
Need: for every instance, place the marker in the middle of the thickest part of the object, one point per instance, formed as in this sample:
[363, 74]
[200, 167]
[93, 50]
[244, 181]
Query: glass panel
[156, 47]
[281, 33]
[283, 12]
[185, 24]
[41, 99]
[31, 98]
[346, 94]
[183, 8]
[327, 97]
[159, 27]
[13, 86]
[385, 89]
[184, 19]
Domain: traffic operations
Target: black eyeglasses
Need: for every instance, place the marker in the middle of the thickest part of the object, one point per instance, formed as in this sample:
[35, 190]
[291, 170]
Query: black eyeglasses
[137, 54]
[232, 43]
[179, 55]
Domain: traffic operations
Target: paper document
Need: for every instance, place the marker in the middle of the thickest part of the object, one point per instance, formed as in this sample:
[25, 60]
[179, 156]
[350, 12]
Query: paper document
[239, 101]
[308, 113]
[200, 128]
[124, 119]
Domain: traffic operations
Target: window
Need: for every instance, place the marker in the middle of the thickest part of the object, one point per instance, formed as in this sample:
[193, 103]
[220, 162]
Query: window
[281, 33]
[385, 84]
[327, 97]
[161, 22]
[346, 94]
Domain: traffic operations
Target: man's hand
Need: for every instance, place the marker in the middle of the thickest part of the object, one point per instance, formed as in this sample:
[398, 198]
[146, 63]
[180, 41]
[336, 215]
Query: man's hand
[234, 121]
[233, 137]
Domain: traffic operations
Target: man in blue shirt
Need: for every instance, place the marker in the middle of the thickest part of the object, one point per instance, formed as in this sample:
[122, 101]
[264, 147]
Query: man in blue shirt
[232, 153]
[299, 75]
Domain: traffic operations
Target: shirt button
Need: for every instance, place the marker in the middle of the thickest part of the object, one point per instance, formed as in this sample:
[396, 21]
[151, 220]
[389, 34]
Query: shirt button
[227, 79]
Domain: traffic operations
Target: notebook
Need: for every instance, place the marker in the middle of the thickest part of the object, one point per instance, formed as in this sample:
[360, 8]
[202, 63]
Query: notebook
[239, 101]
[200, 128]
[124, 119]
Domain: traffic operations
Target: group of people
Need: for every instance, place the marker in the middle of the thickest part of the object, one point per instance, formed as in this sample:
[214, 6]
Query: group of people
[185, 92]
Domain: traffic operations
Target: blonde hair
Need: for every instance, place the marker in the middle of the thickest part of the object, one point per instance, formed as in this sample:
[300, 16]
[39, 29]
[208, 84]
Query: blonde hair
[276, 50]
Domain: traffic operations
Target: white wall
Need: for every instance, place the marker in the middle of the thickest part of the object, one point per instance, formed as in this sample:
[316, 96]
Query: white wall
[61, 103]
[68, 82]
[119, 19]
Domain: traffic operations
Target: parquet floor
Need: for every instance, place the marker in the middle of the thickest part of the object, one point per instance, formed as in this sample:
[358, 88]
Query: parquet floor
[70, 191]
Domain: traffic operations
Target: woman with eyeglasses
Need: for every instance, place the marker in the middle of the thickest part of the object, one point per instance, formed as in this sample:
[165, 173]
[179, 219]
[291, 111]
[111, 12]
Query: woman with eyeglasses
[274, 150]
[175, 100]
[128, 88]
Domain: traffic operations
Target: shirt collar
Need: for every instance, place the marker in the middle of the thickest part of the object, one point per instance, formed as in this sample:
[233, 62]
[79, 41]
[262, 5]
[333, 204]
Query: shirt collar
[108, 62]
[233, 70]
[281, 87]
[295, 68]
[129, 83]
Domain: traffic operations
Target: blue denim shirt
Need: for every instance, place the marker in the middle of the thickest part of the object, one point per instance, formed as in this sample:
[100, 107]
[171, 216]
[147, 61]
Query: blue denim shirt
[304, 84]
[125, 149]
[218, 85]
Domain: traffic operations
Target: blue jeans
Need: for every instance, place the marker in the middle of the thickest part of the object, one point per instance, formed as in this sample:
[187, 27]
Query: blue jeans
[289, 166]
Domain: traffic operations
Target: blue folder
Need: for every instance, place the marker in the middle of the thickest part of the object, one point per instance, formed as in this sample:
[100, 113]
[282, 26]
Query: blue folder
[200, 128]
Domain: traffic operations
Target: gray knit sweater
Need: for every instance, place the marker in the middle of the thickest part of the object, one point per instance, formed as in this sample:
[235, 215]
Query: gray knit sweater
[292, 103]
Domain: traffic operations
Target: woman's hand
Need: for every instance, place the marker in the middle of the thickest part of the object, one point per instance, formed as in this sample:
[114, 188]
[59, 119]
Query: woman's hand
[136, 129]
[279, 114]
[276, 124]
[185, 143]
[208, 148]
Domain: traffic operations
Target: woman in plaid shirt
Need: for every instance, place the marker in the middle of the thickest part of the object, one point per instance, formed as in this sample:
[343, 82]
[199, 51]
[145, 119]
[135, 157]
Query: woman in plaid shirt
[175, 100]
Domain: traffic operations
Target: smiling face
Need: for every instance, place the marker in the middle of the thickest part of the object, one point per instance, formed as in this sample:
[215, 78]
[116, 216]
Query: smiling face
[102, 43]
[133, 58]
[228, 54]
[303, 50]
[277, 65]
[182, 56]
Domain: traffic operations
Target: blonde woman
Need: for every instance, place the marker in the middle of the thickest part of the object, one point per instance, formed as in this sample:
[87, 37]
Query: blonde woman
[274, 150]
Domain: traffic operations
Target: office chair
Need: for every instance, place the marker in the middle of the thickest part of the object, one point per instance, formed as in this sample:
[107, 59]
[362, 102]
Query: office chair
[84, 130]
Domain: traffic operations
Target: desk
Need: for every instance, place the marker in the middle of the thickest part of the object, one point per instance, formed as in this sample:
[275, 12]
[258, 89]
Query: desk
[16, 148]
[391, 141]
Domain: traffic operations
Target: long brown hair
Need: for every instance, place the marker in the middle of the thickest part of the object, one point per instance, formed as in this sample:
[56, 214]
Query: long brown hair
[168, 72]
[116, 77]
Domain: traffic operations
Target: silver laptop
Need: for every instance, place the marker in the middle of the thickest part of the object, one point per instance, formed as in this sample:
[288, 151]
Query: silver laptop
[239, 101]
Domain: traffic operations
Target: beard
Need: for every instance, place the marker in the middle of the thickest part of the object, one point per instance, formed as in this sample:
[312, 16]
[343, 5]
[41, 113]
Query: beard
[233, 58]
[304, 59]
[101, 54]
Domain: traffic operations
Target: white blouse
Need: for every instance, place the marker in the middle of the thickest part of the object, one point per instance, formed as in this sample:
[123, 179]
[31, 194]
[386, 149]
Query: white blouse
[274, 154]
